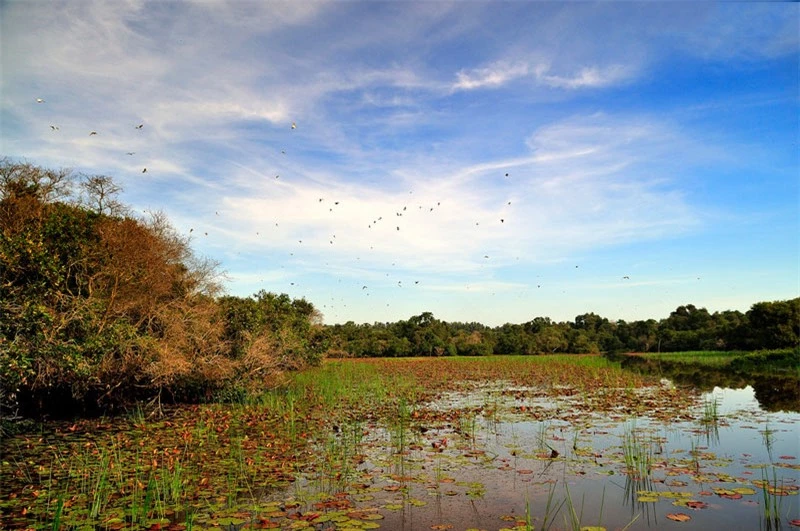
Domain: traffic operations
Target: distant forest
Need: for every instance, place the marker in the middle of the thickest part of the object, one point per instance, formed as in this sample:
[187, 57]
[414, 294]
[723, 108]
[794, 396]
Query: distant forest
[767, 325]
[101, 308]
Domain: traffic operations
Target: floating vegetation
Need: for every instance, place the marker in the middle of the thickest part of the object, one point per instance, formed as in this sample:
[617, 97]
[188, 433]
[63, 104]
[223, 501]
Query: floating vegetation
[508, 443]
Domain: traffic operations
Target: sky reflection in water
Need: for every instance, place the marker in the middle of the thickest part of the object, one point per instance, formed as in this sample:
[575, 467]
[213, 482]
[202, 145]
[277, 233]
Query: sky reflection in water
[482, 469]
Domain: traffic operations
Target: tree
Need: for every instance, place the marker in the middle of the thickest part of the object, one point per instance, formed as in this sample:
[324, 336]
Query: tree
[98, 307]
[775, 324]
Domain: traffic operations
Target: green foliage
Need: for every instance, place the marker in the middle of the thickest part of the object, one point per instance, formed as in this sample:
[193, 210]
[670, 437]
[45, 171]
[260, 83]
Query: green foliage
[98, 308]
[766, 325]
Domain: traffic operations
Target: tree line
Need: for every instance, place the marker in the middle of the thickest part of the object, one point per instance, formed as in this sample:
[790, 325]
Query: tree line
[101, 308]
[767, 325]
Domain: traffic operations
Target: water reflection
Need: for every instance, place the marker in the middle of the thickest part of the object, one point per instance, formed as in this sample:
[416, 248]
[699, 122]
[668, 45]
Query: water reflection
[609, 469]
[775, 391]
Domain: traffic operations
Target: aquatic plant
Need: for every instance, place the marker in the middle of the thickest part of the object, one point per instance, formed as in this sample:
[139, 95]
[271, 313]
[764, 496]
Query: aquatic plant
[637, 453]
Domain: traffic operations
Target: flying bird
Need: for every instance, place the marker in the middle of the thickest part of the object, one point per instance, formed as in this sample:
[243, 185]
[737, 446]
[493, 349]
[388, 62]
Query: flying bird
[54, 127]
[131, 153]
[92, 133]
[144, 170]
[294, 125]
[39, 100]
[626, 277]
[139, 126]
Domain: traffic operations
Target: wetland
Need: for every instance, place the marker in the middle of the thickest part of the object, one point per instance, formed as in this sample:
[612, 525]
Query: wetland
[507, 442]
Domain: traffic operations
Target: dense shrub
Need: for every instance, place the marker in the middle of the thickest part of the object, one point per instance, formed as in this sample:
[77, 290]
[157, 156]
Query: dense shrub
[99, 308]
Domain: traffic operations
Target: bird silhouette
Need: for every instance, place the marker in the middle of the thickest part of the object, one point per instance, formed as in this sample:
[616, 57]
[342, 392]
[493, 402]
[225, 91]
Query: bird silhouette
[54, 127]
[92, 133]
[131, 153]
[294, 125]
[39, 100]
[144, 170]
[139, 126]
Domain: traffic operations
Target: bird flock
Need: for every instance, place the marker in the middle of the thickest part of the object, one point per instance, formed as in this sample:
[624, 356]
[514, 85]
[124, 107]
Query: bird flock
[332, 206]
[56, 128]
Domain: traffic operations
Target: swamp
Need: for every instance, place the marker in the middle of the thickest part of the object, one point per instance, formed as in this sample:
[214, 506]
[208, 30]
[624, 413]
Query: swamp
[506, 442]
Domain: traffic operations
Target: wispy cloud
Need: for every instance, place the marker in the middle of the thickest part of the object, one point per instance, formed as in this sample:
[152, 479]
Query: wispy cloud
[587, 77]
[493, 76]
[584, 184]
[504, 72]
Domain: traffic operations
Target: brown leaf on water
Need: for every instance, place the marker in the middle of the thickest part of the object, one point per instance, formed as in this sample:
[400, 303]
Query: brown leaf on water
[692, 504]
[679, 517]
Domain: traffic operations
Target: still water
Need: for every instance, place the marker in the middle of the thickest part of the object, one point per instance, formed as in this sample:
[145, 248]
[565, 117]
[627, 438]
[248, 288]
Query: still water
[500, 458]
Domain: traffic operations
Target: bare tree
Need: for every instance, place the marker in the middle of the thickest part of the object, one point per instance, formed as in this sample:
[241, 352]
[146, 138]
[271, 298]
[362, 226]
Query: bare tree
[100, 193]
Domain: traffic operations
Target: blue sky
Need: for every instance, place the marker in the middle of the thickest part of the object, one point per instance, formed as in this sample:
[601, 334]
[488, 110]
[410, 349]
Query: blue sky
[485, 161]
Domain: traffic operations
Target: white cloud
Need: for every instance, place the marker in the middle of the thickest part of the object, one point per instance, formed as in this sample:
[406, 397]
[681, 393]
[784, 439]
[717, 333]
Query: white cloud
[587, 77]
[493, 76]
[586, 183]
[504, 72]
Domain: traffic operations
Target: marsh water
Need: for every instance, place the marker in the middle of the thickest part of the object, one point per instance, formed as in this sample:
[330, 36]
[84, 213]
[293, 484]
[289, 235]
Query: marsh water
[488, 456]
[509, 457]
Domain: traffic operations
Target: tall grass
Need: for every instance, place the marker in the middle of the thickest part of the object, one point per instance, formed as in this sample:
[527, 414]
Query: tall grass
[771, 492]
[637, 453]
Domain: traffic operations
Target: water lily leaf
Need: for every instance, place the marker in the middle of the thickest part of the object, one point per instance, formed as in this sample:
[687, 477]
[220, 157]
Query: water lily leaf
[675, 494]
[679, 517]
[647, 499]
[592, 528]
[744, 490]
